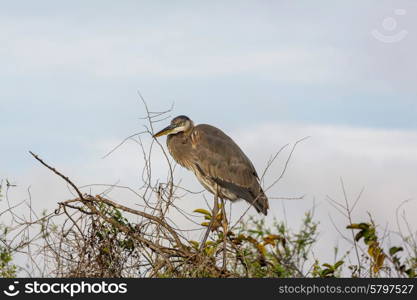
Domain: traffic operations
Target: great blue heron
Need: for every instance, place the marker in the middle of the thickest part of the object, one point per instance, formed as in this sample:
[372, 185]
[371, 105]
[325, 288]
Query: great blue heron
[217, 161]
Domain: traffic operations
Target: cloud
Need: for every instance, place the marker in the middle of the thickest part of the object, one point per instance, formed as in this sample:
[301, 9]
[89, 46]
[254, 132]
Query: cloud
[382, 161]
[281, 44]
[135, 53]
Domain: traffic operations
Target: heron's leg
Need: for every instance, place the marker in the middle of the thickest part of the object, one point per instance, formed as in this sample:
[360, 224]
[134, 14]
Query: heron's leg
[225, 231]
[213, 219]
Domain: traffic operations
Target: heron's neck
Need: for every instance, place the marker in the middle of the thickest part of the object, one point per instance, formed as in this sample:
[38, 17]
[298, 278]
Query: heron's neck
[189, 130]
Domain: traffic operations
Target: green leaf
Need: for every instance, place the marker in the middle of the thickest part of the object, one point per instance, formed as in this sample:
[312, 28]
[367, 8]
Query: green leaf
[395, 250]
[194, 244]
[203, 211]
[358, 236]
[338, 264]
[326, 272]
[358, 226]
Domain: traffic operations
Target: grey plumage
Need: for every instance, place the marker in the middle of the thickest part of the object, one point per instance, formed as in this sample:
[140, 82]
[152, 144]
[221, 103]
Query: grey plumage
[216, 160]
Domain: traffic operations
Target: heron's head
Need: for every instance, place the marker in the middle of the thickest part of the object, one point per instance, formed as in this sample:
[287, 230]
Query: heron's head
[178, 124]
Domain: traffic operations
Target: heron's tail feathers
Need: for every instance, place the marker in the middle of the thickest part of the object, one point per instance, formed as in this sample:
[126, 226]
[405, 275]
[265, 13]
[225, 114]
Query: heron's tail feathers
[254, 195]
[261, 203]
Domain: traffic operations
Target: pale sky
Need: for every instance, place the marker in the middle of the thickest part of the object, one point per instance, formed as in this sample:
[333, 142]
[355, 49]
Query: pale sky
[266, 72]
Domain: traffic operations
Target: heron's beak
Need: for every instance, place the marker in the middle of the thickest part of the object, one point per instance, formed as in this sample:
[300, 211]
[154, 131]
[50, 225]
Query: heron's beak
[165, 131]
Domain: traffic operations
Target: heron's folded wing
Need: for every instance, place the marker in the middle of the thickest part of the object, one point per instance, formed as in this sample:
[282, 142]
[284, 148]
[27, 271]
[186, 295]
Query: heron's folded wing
[218, 156]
